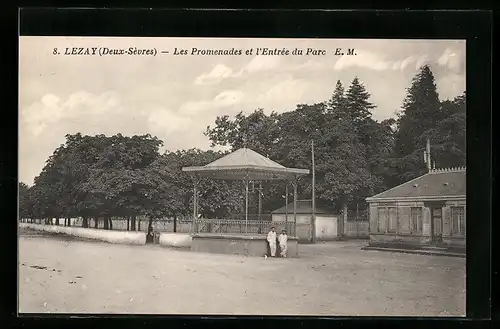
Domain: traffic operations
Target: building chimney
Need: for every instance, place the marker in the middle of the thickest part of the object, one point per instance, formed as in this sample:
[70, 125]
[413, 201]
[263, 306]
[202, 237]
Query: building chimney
[427, 155]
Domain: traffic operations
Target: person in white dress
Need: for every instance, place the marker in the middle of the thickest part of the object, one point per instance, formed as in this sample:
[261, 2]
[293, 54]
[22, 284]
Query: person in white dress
[283, 238]
[271, 238]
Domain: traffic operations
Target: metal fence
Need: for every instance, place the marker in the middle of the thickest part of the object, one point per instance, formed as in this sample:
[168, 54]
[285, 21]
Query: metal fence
[359, 215]
[185, 225]
[357, 229]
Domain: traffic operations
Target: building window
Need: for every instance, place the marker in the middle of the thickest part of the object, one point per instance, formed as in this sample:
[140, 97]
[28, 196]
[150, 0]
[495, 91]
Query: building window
[382, 219]
[457, 221]
[416, 219]
[387, 220]
[393, 220]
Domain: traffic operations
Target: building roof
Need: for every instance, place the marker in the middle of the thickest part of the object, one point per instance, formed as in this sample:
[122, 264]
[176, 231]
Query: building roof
[303, 207]
[245, 163]
[437, 184]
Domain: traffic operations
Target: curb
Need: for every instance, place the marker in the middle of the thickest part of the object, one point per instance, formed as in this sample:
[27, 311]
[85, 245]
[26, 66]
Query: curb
[417, 252]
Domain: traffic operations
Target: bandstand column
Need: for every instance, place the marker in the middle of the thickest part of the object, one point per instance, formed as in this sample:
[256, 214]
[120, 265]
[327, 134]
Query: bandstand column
[295, 206]
[286, 206]
[246, 205]
[195, 203]
[260, 201]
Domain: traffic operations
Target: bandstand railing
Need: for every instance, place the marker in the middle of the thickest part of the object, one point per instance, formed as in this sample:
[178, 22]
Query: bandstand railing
[225, 226]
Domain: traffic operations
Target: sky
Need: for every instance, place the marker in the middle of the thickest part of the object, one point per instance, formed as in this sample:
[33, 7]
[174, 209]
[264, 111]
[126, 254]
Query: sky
[175, 97]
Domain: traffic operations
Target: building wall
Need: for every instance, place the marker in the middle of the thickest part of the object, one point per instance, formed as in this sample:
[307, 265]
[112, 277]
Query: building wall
[403, 230]
[326, 226]
[301, 218]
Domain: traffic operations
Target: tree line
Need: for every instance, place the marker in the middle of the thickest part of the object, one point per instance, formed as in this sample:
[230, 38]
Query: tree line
[101, 177]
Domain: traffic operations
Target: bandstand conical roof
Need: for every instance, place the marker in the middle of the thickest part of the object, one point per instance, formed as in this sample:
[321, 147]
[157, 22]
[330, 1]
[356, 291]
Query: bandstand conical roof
[245, 163]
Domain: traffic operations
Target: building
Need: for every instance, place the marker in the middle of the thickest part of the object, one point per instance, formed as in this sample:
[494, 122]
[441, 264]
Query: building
[428, 210]
[326, 222]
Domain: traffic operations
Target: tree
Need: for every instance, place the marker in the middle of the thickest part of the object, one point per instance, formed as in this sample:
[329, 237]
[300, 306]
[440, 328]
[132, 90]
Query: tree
[256, 131]
[346, 171]
[357, 102]
[95, 176]
[119, 178]
[448, 136]
[337, 105]
[420, 112]
[351, 127]
[24, 201]
[424, 117]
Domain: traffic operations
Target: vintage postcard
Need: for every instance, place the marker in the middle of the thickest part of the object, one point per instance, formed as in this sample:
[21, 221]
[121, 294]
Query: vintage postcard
[242, 176]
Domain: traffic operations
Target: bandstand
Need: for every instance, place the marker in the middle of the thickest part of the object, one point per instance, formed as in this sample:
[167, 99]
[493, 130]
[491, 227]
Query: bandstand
[247, 166]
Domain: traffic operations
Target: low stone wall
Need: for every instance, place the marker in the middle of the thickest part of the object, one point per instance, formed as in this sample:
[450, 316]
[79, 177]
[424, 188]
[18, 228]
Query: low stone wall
[376, 239]
[459, 242]
[177, 240]
[119, 237]
[414, 240]
[248, 245]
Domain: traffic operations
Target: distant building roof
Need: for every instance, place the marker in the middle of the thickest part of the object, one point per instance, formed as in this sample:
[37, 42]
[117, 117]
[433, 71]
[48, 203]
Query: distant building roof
[437, 184]
[303, 207]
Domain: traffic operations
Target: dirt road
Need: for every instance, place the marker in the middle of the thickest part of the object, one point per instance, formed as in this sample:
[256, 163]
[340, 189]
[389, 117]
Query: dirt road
[65, 275]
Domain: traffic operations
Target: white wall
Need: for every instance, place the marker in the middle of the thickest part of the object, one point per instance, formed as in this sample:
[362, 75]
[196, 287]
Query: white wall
[326, 228]
[326, 225]
[121, 237]
[178, 240]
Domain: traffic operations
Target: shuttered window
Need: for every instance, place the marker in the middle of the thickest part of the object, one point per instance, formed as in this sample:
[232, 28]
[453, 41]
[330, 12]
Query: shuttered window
[393, 220]
[382, 219]
[387, 219]
[458, 221]
[416, 220]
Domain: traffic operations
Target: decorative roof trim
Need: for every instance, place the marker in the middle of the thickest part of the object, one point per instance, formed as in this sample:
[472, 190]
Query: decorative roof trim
[418, 198]
[248, 167]
[443, 170]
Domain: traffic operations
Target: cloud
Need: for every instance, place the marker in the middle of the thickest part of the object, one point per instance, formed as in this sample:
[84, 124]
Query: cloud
[165, 121]
[452, 60]
[221, 72]
[262, 63]
[364, 59]
[450, 85]
[285, 95]
[223, 99]
[310, 65]
[378, 62]
[258, 64]
[407, 61]
[422, 60]
[288, 89]
[218, 73]
[50, 109]
[397, 65]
